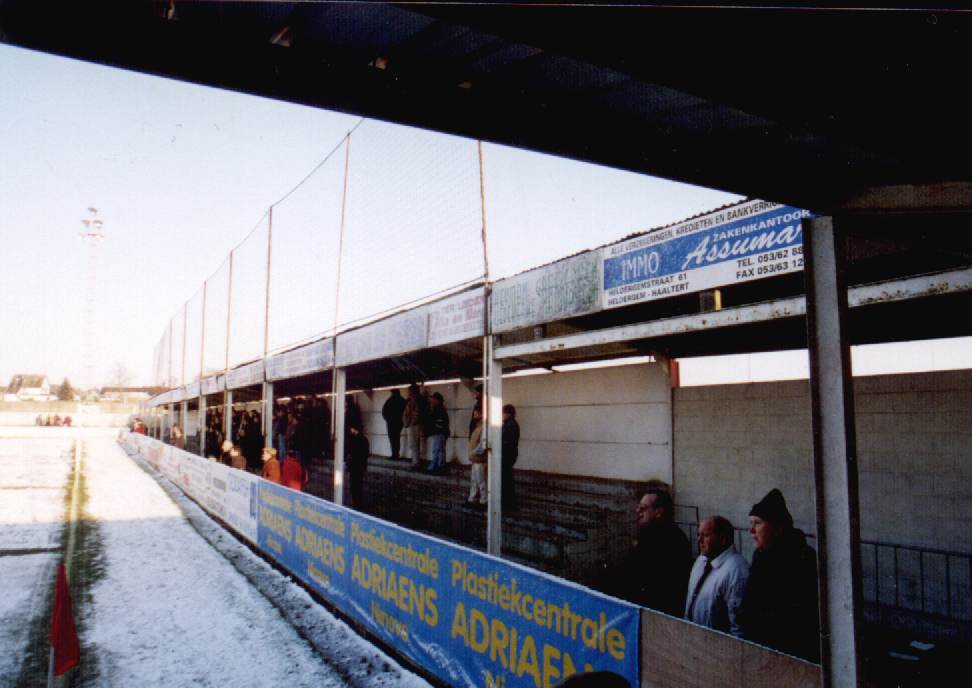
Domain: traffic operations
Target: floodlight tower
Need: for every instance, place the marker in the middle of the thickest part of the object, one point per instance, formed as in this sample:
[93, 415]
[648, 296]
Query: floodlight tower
[92, 236]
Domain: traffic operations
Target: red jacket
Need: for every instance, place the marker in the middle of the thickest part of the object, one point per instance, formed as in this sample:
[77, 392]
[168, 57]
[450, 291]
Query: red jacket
[293, 475]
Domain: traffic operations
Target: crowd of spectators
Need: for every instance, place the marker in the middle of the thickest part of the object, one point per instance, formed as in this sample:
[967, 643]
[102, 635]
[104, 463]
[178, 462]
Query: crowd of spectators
[771, 601]
[54, 420]
[300, 432]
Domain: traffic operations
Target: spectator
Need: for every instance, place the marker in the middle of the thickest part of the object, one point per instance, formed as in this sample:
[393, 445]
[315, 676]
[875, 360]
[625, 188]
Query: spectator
[358, 451]
[271, 467]
[392, 411]
[67, 421]
[655, 573]
[252, 440]
[718, 579]
[237, 460]
[352, 416]
[280, 430]
[478, 395]
[438, 432]
[213, 437]
[319, 418]
[293, 425]
[224, 455]
[293, 474]
[177, 437]
[511, 450]
[477, 459]
[779, 609]
[413, 421]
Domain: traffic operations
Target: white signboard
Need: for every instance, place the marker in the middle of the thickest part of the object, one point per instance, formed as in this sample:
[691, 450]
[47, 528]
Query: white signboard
[312, 358]
[744, 242]
[244, 376]
[212, 385]
[563, 289]
[233, 496]
[456, 318]
[395, 335]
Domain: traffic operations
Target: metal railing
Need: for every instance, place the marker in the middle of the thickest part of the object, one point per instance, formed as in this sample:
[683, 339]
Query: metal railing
[912, 584]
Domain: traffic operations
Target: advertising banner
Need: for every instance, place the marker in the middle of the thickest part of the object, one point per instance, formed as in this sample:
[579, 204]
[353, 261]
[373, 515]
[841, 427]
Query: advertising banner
[310, 358]
[456, 318]
[234, 494]
[244, 376]
[308, 536]
[745, 242]
[212, 385]
[563, 289]
[194, 479]
[472, 619]
[395, 335]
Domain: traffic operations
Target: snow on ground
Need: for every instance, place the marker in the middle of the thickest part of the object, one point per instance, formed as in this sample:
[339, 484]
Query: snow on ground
[25, 582]
[170, 610]
[173, 610]
[33, 475]
[34, 470]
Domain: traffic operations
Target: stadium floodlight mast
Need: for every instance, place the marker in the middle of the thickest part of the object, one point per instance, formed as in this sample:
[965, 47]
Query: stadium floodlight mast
[92, 236]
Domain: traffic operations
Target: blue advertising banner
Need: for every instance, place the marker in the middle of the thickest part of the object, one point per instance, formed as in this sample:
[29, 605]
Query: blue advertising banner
[472, 619]
[469, 618]
[308, 536]
[745, 242]
[478, 621]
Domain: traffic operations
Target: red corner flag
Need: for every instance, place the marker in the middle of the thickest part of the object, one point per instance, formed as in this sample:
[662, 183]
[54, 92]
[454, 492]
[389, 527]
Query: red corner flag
[64, 636]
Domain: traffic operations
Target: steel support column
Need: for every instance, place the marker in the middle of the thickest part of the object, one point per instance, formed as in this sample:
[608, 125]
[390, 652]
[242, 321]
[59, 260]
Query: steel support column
[834, 455]
[227, 416]
[340, 387]
[183, 415]
[203, 425]
[268, 415]
[494, 391]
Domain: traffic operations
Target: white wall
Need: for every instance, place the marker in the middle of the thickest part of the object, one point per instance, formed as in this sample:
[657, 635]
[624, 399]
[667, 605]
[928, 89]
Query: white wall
[605, 422]
[733, 443]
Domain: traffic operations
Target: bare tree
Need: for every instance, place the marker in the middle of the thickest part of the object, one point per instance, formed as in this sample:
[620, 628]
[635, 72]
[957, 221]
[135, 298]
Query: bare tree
[120, 376]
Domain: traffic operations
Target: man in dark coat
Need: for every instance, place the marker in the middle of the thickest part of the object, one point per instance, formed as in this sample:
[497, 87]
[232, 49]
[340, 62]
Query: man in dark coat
[392, 411]
[655, 574]
[511, 451]
[779, 608]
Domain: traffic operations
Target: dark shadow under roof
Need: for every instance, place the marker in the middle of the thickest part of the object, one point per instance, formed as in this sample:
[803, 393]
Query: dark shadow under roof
[805, 106]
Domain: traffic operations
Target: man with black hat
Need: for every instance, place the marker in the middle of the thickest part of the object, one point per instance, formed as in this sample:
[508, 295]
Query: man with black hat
[780, 609]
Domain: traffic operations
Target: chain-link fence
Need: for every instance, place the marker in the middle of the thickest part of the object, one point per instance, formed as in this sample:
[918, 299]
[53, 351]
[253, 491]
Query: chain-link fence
[391, 216]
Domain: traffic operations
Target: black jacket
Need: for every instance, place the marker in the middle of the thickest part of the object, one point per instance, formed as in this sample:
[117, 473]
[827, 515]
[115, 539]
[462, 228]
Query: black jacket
[511, 441]
[656, 573]
[779, 609]
[392, 410]
[438, 422]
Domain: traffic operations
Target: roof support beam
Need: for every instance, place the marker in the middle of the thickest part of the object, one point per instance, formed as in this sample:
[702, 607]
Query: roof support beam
[884, 292]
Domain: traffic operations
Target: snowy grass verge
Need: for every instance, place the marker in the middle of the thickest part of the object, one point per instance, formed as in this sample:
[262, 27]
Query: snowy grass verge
[355, 659]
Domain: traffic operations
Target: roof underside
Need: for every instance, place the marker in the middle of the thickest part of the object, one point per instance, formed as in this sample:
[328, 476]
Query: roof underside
[811, 108]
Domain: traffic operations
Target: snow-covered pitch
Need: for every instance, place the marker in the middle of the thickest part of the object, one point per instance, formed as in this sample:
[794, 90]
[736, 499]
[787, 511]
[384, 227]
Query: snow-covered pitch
[177, 601]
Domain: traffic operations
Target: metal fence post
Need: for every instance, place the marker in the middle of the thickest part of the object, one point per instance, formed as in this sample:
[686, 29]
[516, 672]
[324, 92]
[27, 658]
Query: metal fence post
[340, 387]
